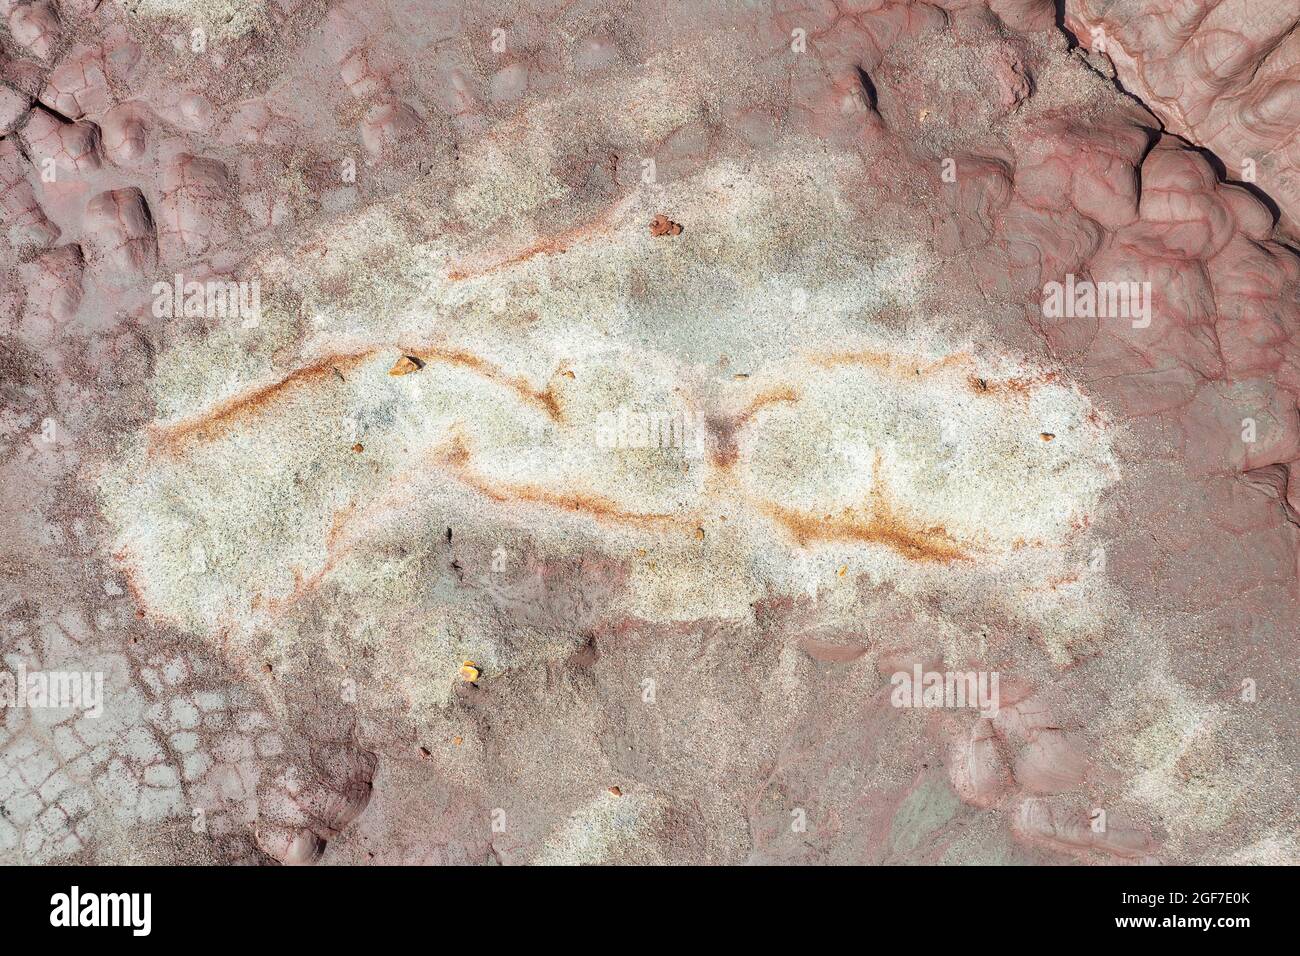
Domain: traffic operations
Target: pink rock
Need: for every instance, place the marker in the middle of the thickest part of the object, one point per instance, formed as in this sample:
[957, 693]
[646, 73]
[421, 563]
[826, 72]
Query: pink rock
[1037, 822]
[77, 87]
[1051, 762]
[125, 133]
[1220, 74]
[25, 221]
[69, 149]
[35, 26]
[54, 289]
[386, 125]
[121, 231]
[977, 769]
[194, 200]
[13, 107]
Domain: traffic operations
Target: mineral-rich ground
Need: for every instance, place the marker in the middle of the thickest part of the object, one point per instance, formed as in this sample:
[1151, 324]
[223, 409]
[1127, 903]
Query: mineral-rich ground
[486, 432]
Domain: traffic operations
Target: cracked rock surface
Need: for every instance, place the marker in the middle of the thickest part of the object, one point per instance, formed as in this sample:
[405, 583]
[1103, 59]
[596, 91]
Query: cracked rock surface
[474, 433]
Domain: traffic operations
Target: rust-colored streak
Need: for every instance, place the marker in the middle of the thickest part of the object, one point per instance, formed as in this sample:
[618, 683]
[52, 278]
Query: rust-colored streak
[897, 365]
[910, 367]
[218, 421]
[545, 399]
[302, 587]
[455, 458]
[548, 245]
[775, 396]
[879, 522]
[338, 523]
[1012, 387]
[876, 526]
[578, 502]
[126, 561]
[931, 543]
[726, 452]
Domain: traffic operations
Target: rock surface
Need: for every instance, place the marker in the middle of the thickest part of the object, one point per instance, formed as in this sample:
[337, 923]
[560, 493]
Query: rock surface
[564, 433]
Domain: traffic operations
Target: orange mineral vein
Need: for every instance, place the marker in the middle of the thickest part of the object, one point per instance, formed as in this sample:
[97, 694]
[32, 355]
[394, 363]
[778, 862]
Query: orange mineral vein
[220, 420]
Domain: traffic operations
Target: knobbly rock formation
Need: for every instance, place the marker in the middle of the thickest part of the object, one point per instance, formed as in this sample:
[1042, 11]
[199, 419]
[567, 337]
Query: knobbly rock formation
[1223, 75]
[918, 487]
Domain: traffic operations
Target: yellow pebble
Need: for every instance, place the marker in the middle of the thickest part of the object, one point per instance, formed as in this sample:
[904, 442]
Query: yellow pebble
[406, 365]
[469, 671]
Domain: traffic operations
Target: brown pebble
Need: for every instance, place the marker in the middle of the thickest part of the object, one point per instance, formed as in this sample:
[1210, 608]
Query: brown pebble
[616, 791]
[663, 226]
[358, 448]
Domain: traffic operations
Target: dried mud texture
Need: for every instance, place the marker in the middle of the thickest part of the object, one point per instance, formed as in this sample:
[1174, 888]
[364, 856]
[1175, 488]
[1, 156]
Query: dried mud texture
[585, 412]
